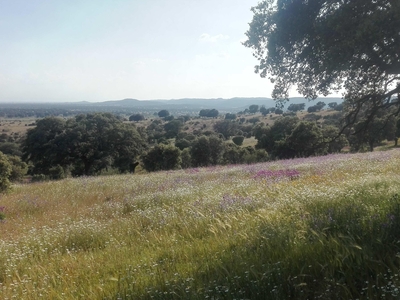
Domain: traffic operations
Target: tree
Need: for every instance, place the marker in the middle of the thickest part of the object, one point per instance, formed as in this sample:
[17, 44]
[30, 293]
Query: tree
[5, 172]
[335, 141]
[87, 143]
[264, 111]
[163, 113]
[332, 105]
[18, 168]
[200, 152]
[296, 107]
[226, 127]
[209, 113]
[44, 145]
[268, 138]
[162, 157]
[229, 116]
[306, 139]
[238, 140]
[136, 117]
[172, 128]
[253, 108]
[330, 45]
[216, 146]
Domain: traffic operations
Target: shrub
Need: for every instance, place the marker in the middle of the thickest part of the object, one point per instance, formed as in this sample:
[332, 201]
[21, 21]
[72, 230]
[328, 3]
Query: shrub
[238, 140]
[5, 172]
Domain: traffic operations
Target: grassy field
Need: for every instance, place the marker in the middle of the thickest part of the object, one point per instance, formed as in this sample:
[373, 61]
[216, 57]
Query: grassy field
[317, 228]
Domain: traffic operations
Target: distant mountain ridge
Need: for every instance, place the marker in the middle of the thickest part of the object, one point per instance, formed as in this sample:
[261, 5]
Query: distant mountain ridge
[236, 104]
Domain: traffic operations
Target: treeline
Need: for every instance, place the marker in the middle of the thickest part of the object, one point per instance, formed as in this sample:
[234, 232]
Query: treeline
[100, 143]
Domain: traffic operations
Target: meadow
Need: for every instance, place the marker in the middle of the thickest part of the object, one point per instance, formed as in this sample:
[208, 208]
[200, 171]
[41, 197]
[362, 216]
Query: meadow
[317, 228]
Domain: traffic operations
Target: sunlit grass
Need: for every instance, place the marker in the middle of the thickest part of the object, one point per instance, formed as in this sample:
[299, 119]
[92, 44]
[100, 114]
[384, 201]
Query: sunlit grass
[324, 227]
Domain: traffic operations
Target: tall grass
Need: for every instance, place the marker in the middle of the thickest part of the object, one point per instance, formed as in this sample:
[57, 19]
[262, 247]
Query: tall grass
[318, 228]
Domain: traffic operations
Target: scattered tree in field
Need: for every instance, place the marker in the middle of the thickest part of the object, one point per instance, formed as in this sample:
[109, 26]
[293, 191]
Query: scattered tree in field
[267, 137]
[324, 46]
[163, 113]
[332, 105]
[238, 140]
[264, 111]
[45, 145]
[10, 148]
[162, 157]
[230, 116]
[335, 141]
[200, 152]
[172, 128]
[18, 168]
[306, 140]
[209, 113]
[136, 117]
[206, 151]
[86, 143]
[186, 159]
[5, 173]
[253, 108]
[296, 107]
[182, 143]
[226, 127]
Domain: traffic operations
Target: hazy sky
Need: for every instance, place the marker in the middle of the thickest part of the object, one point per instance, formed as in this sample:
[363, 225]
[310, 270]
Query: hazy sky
[97, 50]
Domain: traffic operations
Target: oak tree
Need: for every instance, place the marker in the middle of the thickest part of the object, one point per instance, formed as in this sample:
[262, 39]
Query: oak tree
[320, 46]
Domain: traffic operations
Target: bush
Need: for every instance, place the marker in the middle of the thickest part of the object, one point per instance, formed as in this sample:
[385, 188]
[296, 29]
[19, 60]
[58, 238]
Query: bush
[238, 140]
[5, 173]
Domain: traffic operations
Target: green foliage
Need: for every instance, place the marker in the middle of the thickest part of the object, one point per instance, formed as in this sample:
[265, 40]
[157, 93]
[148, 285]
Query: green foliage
[186, 159]
[325, 46]
[335, 141]
[372, 131]
[136, 117]
[296, 107]
[210, 113]
[162, 157]
[230, 116]
[306, 140]
[18, 168]
[182, 144]
[238, 140]
[5, 173]
[200, 152]
[44, 145]
[289, 138]
[172, 128]
[264, 111]
[10, 148]
[163, 113]
[88, 143]
[56, 173]
[253, 108]
[226, 127]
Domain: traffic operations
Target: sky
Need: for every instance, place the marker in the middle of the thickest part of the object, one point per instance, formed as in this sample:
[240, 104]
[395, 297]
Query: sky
[99, 50]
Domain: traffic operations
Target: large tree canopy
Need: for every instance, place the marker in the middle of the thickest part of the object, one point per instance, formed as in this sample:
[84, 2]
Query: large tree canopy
[86, 143]
[321, 46]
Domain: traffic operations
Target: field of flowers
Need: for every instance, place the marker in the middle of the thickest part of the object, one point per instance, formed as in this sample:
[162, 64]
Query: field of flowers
[318, 228]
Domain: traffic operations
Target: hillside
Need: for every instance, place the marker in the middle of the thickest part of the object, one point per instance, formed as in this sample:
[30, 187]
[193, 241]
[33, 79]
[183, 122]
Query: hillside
[324, 227]
[129, 106]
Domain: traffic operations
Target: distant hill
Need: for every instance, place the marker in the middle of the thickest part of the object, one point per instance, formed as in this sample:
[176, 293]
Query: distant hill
[232, 104]
[186, 106]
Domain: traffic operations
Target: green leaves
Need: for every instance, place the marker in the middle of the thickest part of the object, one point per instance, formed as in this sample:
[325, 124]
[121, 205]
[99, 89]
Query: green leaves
[324, 46]
[86, 144]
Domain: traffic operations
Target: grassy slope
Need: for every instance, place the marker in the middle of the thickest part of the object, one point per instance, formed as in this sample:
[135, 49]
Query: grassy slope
[325, 227]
